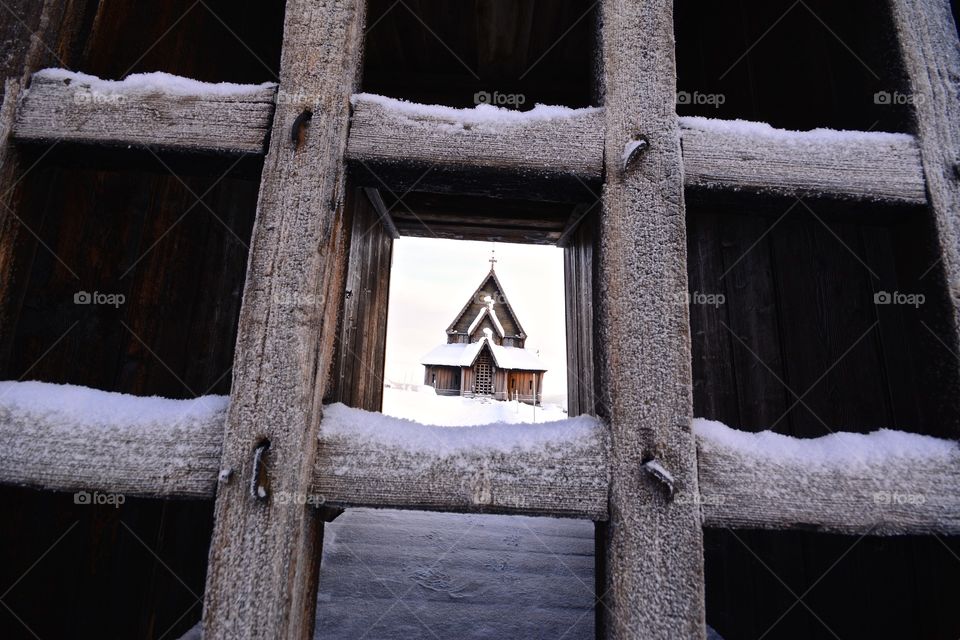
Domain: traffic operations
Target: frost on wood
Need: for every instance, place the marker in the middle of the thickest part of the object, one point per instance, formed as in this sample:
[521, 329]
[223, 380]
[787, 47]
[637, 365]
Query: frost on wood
[154, 83]
[737, 154]
[886, 482]
[556, 468]
[69, 438]
[545, 139]
[158, 110]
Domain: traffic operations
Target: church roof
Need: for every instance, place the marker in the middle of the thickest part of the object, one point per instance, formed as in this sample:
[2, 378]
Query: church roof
[474, 302]
[464, 355]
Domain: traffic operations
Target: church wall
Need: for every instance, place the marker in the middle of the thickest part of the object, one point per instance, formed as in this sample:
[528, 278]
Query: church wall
[446, 380]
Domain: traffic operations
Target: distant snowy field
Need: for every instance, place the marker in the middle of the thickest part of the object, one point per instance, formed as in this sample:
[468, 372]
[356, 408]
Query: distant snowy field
[422, 404]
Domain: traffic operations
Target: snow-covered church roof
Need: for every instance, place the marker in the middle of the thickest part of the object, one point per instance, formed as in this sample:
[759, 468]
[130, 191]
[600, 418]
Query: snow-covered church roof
[463, 355]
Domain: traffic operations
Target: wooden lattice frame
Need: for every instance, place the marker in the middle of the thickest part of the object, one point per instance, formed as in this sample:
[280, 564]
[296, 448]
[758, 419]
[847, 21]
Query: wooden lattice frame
[264, 556]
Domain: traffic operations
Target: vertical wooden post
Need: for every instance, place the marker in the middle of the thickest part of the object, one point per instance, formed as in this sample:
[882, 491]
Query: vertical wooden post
[654, 556]
[264, 554]
[930, 51]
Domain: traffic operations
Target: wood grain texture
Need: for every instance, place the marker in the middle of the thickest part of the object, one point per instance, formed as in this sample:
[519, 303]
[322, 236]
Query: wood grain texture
[743, 490]
[158, 460]
[873, 170]
[357, 377]
[264, 554]
[567, 146]
[930, 50]
[568, 479]
[654, 548]
[54, 109]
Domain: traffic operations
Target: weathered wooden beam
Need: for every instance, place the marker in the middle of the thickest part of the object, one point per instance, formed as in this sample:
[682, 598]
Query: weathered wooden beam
[264, 554]
[880, 167]
[654, 545]
[465, 469]
[881, 484]
[930, 51]
[66, 438]
[717, 155]
[155, 110]
[71, 439]
[559, 141]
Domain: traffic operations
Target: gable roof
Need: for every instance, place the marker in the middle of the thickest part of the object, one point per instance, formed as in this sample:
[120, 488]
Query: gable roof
[496, 321]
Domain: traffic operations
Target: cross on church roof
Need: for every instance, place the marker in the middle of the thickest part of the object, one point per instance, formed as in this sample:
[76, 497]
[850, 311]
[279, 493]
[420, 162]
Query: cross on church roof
[493, 258]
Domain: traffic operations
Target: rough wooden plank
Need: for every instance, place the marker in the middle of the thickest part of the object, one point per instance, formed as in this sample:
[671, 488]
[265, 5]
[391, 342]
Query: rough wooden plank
[856, 166]
[654, 558]
[457, 139]
[174, 454]
[930, 50]
[79, 108]
[566, 477]
[907, 494]
[264, 554]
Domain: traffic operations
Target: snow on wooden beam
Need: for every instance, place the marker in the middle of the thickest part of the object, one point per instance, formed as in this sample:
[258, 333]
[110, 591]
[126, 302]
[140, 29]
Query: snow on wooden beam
[544, 140]
[752, 156]
[555, 469]
[882, 483]
[158, 110]
[68, 438]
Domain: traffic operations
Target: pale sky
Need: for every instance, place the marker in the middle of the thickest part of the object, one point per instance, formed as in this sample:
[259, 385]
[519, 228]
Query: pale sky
[432, 279]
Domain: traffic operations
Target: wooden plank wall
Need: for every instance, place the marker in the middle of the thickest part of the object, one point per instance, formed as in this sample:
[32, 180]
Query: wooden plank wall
[180, 312]
[793, 304]
[148, 557]
[361, 346]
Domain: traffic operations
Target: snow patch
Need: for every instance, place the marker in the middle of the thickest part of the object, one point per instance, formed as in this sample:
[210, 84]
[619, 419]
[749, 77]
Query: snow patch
[66, 406]
[156, 82]
[746, 128]
[483, 114]
[841, 451]
[462, 355]
[340, 421]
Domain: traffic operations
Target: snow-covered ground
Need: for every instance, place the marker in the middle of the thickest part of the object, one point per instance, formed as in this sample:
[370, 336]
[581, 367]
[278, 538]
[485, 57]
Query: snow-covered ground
[422, 404]
[404, 574]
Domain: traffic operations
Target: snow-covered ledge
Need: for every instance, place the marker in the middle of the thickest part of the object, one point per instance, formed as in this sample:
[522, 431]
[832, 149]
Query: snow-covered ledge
[885, 482]
[543, 140]
[753, 156]
[158, 110]
[70, 438]
[556, 468]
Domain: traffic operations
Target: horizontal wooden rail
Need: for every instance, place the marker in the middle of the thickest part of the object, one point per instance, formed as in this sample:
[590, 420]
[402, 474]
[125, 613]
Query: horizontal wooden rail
[547, 140]
[883, 483]
[400, 142]
[556, 469]
[734, 155]
[155, 110]
[65, 438]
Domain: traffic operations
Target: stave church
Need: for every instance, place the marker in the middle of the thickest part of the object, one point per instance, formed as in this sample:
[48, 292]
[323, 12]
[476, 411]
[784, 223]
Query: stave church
[484, 354]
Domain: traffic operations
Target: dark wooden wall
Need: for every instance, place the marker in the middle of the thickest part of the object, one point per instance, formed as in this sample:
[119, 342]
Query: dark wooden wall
[437, 52]
[117, 232]
[361, 344]
[803, 65]
[798, 317]
[120, 222]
